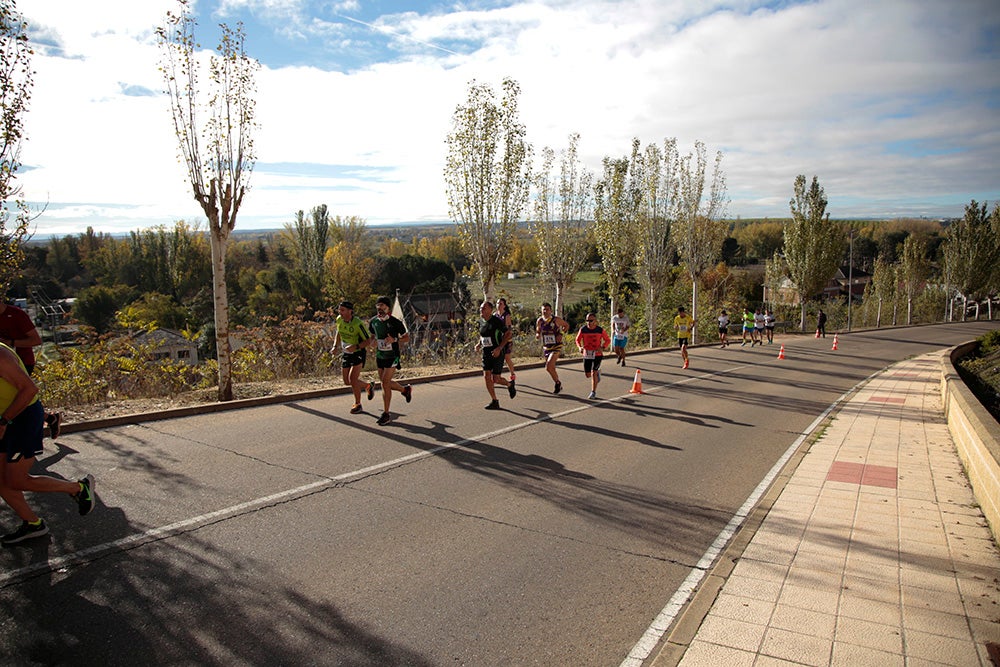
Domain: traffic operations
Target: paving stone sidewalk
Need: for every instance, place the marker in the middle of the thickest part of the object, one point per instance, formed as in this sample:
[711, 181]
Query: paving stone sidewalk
[874, 553]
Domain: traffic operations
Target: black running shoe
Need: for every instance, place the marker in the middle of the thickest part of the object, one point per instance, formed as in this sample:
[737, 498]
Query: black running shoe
[511, 389]
[408, 393]
[85, 496]
[25, 532]
[371, 390]
[54, 420]
[558, 388]
[357, 409]
[384, 419]
[494, 405]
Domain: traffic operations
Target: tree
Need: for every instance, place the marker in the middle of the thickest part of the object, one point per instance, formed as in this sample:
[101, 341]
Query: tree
[562, 212]
[971, 252]
[813, 245]
[617, 198]
[16, 81]
[351, 273]
[914, 270]
[487, 173]
[699, 228]
[219, 153]
[654, 250]
[883, 287]
[309, 239]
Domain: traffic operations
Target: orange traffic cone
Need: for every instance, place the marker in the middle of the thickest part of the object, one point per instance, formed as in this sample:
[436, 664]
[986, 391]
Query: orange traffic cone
[834, 348]
[781, 352]
[637, 383]
[817, 333]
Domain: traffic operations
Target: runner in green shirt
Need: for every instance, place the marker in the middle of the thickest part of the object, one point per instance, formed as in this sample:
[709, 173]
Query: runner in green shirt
[351, 341]
[387, 333]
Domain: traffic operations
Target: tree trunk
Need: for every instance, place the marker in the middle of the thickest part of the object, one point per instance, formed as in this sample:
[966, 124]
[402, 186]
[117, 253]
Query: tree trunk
[558, 305]
[221, 299]
[802, 314]
[651, 316]
[694, 309]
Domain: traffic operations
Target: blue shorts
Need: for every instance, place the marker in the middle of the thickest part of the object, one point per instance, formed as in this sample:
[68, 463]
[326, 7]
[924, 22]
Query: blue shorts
[619, 341]
[23, 438]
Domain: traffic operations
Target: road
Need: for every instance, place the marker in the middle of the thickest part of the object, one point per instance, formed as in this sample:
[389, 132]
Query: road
[550, 533]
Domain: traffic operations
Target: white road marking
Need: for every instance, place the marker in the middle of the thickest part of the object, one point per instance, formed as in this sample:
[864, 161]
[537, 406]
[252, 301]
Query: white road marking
[163, 532]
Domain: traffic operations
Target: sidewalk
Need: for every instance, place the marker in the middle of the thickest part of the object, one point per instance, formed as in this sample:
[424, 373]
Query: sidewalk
[873, 553]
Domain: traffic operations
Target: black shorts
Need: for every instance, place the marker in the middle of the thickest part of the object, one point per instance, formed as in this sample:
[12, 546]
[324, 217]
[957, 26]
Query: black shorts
[681, 342]
[387, 362]
[592, 364]
[356, 358]
[23, 438]
[490, 363]
[723, 330]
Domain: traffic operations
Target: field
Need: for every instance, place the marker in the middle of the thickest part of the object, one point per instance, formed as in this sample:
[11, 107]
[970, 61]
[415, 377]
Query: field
[528, 294]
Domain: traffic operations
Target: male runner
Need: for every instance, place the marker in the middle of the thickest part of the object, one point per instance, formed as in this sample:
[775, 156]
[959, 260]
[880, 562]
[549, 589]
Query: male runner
[387, 333]
[549, 329]
[592, 341]
[620, 324]
[493, 338]
[21, 417]
[351, 341]
[683, 324]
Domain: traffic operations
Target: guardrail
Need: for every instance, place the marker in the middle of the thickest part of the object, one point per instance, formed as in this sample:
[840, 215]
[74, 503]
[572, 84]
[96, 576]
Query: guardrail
[976, 434]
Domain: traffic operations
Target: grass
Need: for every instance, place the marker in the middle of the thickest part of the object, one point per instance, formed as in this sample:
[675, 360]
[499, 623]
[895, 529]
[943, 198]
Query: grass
[528, 293]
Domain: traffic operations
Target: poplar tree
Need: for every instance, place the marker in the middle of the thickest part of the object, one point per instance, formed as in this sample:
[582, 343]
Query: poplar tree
[653, 255]
[218, 151]
[488, 175]
[16, 81]
[699, 227]
[813, 245]
[914, 270]
[562, 211]
[617, 200]
[972, 251]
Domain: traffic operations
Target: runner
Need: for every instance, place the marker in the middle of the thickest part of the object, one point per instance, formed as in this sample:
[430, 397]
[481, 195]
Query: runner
[18, 332]
[620, 324]
[387, 333]
[21, 423]
[724, 329]
[758, 326]
[821, 324]
[592, 341]
[549, 329]
[504, 315]
[493, 338]
[747, 326]
[351, 341]
[769, 321]
[684, 325]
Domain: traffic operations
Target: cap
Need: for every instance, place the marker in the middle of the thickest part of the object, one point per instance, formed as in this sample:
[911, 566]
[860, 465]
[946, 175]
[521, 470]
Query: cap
[346, 304]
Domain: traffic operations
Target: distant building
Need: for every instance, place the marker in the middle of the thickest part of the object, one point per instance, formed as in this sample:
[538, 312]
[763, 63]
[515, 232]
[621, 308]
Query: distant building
[837, 287]
[430, 318]
[169, 344]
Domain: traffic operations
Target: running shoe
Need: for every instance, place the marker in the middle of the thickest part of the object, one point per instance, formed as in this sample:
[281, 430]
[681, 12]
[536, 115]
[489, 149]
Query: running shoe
[511, 389]
[25, 532]
[623, 363]
[85, 496]
[592, 394]
[494, 405]
[371, 390]
[54, 420]
[356, 409]
[558, 388]
[408, 393]
[685, 364]
[384, 419]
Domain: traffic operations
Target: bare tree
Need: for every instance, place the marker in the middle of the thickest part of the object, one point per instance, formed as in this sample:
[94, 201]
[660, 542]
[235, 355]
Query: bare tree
[617, 199]
[16, 81]
[219, 152]
[659, 182]
[699, 228]
[488, 174]
[562, 211]
[813, 245]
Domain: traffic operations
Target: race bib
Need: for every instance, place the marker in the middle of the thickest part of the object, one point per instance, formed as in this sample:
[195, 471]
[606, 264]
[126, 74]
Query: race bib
[682, 328]
[548, 339]
[384, 345]
[589, 354]
[486, 341]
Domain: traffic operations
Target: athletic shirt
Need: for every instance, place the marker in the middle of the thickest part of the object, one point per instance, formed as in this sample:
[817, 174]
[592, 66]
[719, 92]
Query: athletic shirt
[593, 341]
[551, 333]
[723, 321]
[747, 320]
[620, 325]
[388, 327]
[769, 320]
[353, 332]
[683, 325]
[14, 324]
[491, 332]
[9, 391]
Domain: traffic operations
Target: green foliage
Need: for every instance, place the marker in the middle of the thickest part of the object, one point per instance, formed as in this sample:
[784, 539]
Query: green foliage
[97, 306]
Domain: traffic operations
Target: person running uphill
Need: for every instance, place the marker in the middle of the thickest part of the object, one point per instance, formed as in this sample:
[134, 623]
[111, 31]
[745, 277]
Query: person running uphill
[683, 324]
[747, 327]
[549, 329]
[724, 329]
[504, 316]
[592, 341]
[351, 341]
[21, 419]
[387, 333]
[493, 338]
[620, 324]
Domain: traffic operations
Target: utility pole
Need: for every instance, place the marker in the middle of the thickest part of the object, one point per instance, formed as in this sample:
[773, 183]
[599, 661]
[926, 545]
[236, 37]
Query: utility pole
[850, 275]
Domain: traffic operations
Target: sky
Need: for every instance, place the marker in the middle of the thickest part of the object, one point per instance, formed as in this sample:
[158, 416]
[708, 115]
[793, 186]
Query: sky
[894, 105]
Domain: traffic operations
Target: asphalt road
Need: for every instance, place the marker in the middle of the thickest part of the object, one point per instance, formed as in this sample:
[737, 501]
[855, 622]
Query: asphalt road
[550, 533]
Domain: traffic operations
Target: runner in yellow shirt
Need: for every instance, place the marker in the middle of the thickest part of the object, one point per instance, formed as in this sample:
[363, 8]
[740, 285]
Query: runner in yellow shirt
[684, 325]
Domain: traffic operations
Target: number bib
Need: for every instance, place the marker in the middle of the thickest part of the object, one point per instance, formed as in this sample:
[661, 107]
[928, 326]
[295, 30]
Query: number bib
[589, 354]
[548, 339]
[486, 341]
[384, 345]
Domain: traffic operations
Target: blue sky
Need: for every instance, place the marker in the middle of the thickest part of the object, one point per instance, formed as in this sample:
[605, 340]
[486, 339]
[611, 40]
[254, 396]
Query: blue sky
[894, 105]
